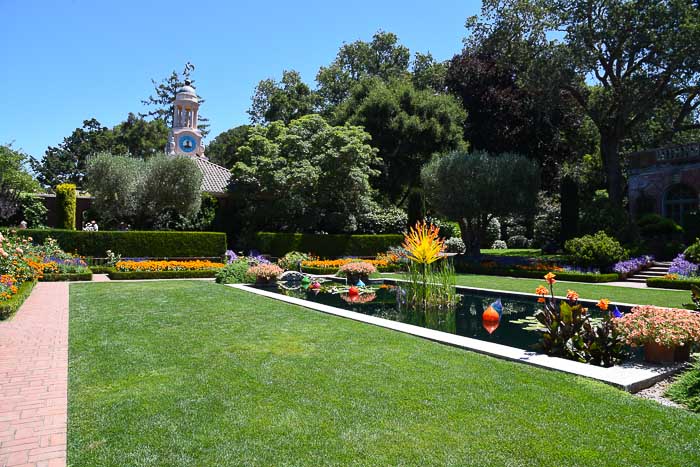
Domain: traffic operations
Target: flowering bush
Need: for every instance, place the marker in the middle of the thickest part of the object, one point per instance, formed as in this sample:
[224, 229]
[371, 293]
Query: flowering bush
[338, 263]
[128, 266]
[455, 245]
[265, 272]
[666, 326]
[292, 260]
[633, 265]
[357, 268]
[8, 287]
[499, 245]
[681, 266]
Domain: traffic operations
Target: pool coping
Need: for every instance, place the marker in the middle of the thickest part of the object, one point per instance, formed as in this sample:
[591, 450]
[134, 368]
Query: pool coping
[630, 377]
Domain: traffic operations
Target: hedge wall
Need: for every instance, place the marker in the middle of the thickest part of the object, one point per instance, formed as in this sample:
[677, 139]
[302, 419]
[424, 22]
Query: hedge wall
[208, 273]
[7, 308]
[327, 246]
[66, 202]
[679, 284]
[131, 244]
[59, 277]
[514, 272]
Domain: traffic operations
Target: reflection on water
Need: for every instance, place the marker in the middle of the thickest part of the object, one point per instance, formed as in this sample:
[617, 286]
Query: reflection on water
[514, 328]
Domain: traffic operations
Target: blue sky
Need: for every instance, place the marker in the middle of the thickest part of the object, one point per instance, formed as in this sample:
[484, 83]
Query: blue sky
[70, 60]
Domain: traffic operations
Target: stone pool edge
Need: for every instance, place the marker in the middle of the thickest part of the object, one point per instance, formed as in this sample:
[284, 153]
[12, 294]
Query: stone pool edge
[630, 377]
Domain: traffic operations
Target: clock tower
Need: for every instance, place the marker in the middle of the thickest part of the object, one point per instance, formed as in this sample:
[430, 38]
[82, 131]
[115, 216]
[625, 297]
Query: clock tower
[185, 138]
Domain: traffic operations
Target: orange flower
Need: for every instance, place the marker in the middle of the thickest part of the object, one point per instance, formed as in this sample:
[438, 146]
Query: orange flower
[572, 295]
[550, 278]
[540, 300]
[603, 304]
[541, 290]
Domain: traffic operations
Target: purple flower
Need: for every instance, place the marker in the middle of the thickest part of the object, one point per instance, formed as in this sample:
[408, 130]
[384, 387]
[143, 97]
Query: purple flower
[683, 267]
[633, 265]
[230, 256]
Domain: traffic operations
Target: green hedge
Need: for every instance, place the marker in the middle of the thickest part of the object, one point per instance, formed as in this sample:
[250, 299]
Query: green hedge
[278, 244]
[59, 277]
[154, 244]
[117, 276]
[679, 284]
[65, 205]
[101, 269]
[514, 272]
[7, 308]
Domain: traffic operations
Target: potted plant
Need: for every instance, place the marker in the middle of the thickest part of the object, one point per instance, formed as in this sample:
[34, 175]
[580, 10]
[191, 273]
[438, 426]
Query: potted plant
[265, 273]
[357, 271]
[667, 334]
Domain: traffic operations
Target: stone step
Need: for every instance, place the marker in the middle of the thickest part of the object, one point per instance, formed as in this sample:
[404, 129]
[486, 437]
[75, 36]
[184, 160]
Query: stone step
[641, 280]
[658, 268]
[649, 275]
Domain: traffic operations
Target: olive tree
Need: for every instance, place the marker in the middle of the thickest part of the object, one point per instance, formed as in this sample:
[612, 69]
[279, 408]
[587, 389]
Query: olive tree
[473, 188]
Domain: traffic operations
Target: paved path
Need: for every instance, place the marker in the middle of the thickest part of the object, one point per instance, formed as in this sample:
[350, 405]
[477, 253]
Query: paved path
[34, 380]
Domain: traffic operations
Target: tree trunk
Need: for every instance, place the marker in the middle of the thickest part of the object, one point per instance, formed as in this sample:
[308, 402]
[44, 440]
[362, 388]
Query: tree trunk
[610, 151]
[470, 237]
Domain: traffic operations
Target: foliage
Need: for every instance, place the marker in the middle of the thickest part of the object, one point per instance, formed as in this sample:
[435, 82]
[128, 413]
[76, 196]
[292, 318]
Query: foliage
[682, 267]
[282, 101]
[599, 250]
[641, 54]
[170, 184]
[223, 149]
[163, 97]
[672, 281]
[455, 245]
[266, 272]
[669, 327]
[499, 245]
[547, 223]
[692, 253]
[10, 306]
[134, 243]
[383, 262]
[139, 137]
[651, 225]
[325, 245]
[67, 276]
[235, 272]
[65, 204]
[154, 266]
[292, 260]
[493, 233]
[407, 126]
[472, 188]
[382, 220]
[115, 183]
[686, 388]
[15, 182]
[569, 332]
[306, 176]
[518, 241]
[490, 268]
[415, 206]
[32, 210]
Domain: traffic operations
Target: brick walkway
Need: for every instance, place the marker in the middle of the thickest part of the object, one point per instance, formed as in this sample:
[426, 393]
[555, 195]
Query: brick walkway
[34, 380]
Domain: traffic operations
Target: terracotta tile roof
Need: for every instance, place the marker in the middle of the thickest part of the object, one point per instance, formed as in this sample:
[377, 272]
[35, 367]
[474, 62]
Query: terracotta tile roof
[214, 177]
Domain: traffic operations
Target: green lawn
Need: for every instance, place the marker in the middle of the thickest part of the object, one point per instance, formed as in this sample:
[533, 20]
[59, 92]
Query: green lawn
[672, 298]
[194, 373]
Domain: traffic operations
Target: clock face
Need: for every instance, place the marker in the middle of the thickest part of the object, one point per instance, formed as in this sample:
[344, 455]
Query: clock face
[187, 143]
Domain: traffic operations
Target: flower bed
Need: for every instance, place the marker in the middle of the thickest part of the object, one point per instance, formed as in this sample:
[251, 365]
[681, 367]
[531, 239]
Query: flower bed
[182, 274]
[331, 266]
[632, 266]
[11, 305]
[158, 266]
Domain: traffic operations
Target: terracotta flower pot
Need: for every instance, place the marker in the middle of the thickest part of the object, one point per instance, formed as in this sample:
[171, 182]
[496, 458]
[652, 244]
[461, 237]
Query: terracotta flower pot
[682, 353]
[658, 353]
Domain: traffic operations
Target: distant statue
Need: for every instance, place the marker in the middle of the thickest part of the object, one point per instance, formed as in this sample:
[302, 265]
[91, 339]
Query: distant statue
[189, 68]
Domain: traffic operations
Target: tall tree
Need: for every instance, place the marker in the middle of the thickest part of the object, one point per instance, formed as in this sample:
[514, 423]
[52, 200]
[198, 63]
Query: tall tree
[161, 101]
[407, 126]
[67, 162]
[15, 180]
[223, 149]
[140, 137]
[284, 101]
[641, 53]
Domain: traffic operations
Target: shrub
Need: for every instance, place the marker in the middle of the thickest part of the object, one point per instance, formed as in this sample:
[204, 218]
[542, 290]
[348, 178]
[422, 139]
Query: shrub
[654, 225]
[135, 243]
[692, 253]
[499, 245]
[519, 241]
[455, 245]
[672, 281]
[65, 202]
[235, 272]
[447, 229]
[547, 223]
[65, 277]
[133, 275]
[382, 220]
[277, 244]
[292, 260]
[493, 233]
[599, 250]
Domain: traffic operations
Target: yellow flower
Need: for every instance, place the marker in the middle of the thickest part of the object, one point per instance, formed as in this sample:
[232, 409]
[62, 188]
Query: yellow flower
[423, 244]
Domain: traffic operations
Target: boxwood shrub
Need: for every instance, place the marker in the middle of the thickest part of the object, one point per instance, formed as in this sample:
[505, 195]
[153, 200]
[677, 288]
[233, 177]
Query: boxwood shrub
[599, 250]
[154, 244]
[8, 307]
[66, 202]
[679, 284]
[471, 268]
[59, 277]
[325, 245]
[201, 273]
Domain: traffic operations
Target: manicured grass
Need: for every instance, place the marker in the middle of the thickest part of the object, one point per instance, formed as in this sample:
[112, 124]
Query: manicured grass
[670, 298]
[195, 373]
[686, 389]
[524, 252]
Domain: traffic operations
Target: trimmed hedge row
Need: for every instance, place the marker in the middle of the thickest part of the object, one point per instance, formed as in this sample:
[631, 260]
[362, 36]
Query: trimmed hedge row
[59, 277]
[514, 272]
[101, 269]
[134, 243]
[7, 308]
[678, 284]
[325, 245]
[207, 273]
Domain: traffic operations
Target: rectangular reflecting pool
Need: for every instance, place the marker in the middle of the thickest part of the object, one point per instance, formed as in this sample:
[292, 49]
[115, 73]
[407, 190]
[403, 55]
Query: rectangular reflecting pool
[517, 327]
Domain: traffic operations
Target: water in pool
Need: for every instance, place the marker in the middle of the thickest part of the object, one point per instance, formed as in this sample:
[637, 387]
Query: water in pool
[515, 328]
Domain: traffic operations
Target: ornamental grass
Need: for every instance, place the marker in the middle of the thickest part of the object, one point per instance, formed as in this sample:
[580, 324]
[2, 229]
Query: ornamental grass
[154, 266]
